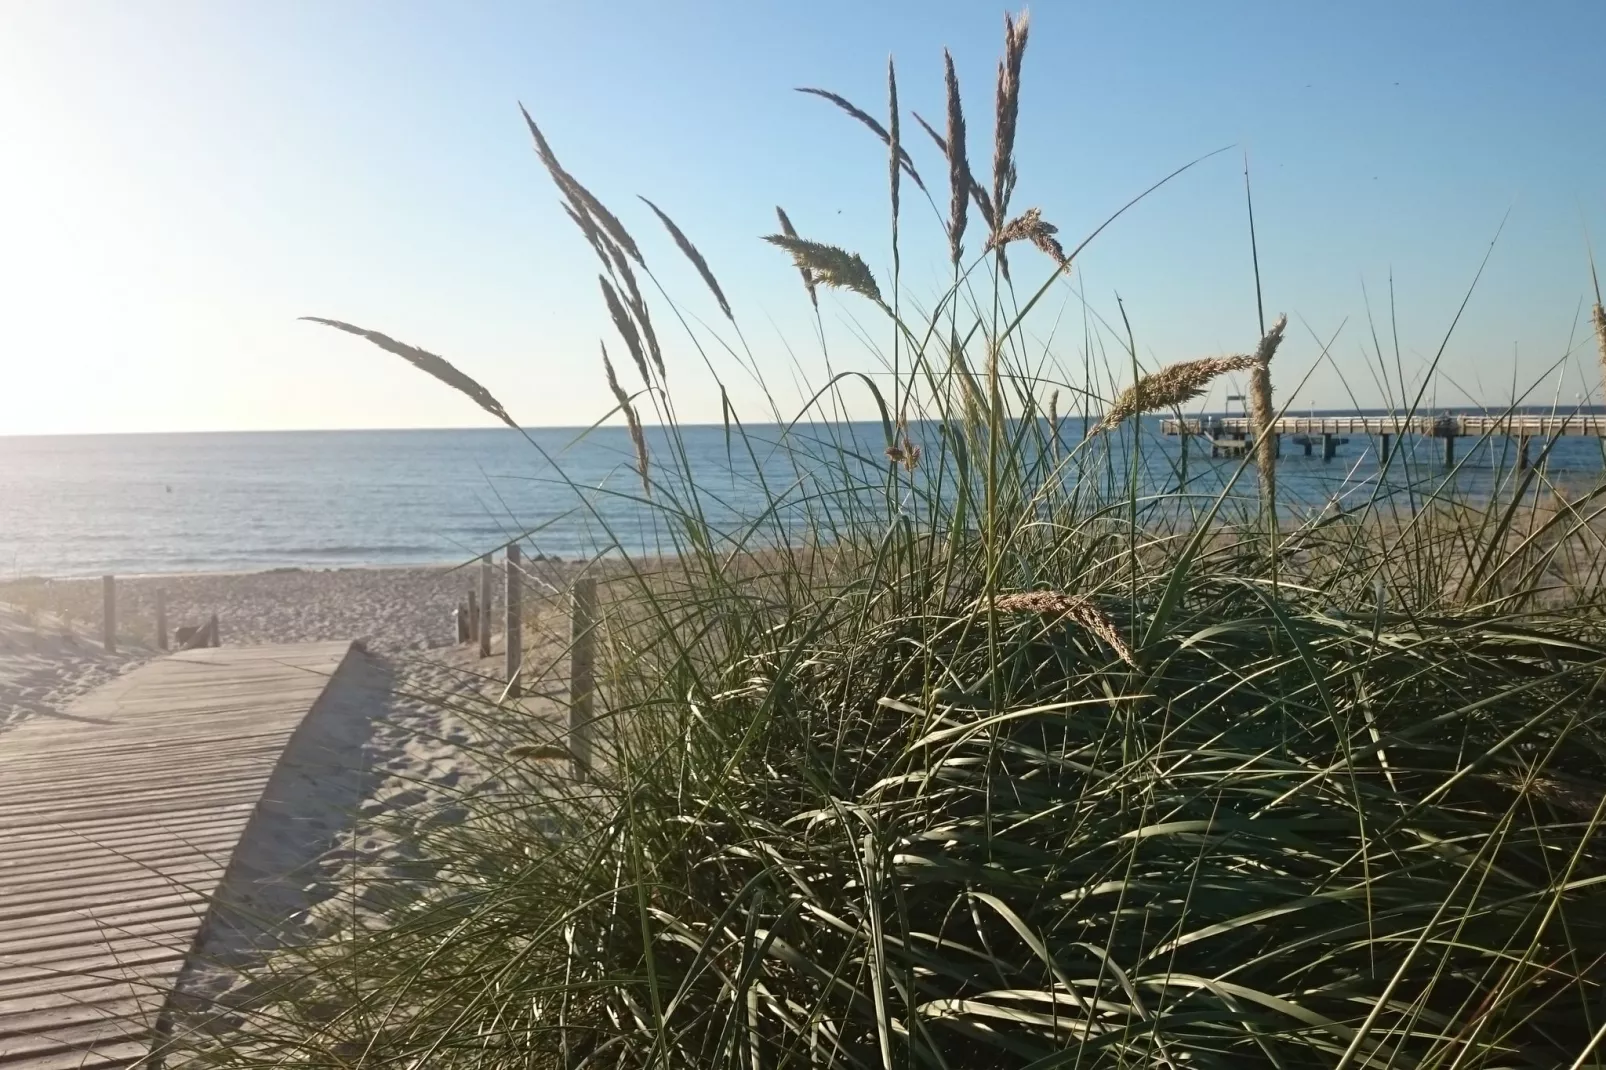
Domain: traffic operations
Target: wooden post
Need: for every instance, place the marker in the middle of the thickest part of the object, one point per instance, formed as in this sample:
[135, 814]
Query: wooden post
[211, 632]
[1383, 450]
[1449, 451]
[471, 629]
[1328, 449]
[108, 616]
[161, 619]
[582, 672]
[512, 627]
[1522, 454]
[484, 625]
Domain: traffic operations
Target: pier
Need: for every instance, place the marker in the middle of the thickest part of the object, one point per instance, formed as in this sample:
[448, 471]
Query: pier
[1232, 435]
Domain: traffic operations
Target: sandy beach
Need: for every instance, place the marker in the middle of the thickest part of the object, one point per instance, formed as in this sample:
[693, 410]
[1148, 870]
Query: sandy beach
[383, 756]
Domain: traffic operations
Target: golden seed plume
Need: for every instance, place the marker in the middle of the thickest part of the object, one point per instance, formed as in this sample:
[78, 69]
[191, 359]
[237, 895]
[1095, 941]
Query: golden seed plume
[1008, 111]
[977, 195]
[428, 363]
[626, 328]
[959, 177]
[905, 452]
[831, 265]
[1030, 226]
[636, 436]
[1261, 409]
[695, 257]
[869, 121]
[1060, 606]
[791, 232]
[1170, 387]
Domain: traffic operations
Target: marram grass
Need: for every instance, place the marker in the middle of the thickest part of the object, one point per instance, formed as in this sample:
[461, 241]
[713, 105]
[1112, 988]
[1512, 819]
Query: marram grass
[998, 763]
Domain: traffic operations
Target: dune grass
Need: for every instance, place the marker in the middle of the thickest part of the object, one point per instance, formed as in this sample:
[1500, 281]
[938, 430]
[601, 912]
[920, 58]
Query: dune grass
[972, 750]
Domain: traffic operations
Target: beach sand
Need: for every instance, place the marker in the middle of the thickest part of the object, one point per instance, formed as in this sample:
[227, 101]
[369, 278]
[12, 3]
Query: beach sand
[385, 755]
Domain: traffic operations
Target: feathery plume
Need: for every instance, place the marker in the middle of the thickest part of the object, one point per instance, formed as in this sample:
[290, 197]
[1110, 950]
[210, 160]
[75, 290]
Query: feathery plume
[429, 364]
[869, 121]
[638, 308]
[1030, 226]
[636, 436]
[1261, 409]
[791, 232]
[1057, 605]
[1170, 387]
[578, 195]
[1054, 424]
[959, 177]
[695, 257]
[627, 329]
[977, 194]
[1008, 111]
[831, 265]
[1599, 316]
[894, 143]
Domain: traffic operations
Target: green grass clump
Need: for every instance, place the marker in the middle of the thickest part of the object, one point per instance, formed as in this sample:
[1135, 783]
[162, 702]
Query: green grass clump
[982, 752]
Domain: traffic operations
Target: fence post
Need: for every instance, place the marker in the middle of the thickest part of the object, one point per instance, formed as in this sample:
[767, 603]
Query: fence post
[161, 619]
[582, 672]
[512, 627]
[108, 621]
[485, 606]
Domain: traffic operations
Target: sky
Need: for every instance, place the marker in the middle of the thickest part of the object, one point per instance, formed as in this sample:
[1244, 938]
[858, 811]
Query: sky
[183, 179]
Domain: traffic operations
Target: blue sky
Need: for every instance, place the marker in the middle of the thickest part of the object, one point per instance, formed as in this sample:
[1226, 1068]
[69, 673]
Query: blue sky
[185, 178]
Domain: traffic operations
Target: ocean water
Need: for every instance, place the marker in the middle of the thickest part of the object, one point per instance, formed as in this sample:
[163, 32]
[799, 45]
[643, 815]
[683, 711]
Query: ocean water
[134, 504]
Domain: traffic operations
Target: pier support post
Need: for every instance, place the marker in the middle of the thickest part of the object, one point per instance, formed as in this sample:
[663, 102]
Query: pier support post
[1383, 449]
[1522, 454]
[1306, 444]
[484, 627]
[512, 628]
[1449, 451]
[1277, 446]
[161, 619]
[582, 672]
[1328, 449]
[108, 617]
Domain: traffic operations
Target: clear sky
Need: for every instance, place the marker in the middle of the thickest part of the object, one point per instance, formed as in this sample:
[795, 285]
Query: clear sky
[183, 178]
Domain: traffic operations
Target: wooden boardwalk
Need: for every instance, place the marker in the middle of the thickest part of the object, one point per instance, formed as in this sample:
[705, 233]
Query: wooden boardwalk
[117, 820]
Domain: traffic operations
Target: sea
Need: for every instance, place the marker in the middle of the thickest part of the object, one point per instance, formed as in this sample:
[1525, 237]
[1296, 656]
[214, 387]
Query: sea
[161, 503]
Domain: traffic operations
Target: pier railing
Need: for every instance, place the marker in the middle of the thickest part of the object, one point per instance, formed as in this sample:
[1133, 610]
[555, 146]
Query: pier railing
[1450, 426]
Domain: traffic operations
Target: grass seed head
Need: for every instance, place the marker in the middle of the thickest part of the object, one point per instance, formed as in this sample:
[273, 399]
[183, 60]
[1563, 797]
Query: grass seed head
[1171, 386]
[791, 232]
[830, 265]
[696, 258]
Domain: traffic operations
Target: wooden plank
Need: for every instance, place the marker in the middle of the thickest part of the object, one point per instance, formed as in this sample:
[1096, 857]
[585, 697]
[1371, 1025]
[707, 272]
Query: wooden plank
[117, 822]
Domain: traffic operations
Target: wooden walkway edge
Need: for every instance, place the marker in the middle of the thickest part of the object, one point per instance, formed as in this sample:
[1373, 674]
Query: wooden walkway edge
[117, 820]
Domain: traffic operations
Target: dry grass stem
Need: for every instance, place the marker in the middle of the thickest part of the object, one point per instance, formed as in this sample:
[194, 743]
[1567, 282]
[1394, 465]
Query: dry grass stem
[978, 195]
[830, 265]
[695, 257]
[1171, 386]
[637, 437]
[1030, 226]
[580, 197]
[959, 177]
[868, 120]
[626, 328]
[791, 232]
[1008, 111]
[1057, 605]
[429, 363]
